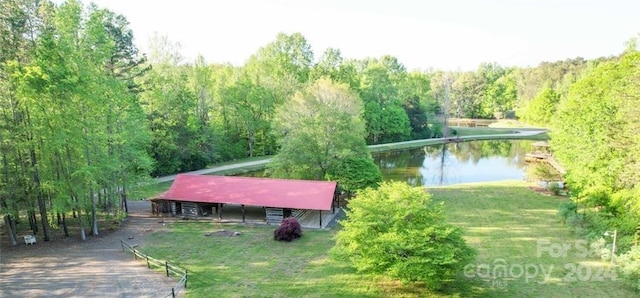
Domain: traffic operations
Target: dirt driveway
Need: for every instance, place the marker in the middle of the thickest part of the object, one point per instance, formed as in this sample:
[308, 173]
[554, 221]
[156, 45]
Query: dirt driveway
[93, 268]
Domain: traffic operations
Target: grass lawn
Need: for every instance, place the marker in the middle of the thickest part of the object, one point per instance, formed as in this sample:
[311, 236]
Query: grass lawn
[503, 221]
[510, 123]
[472, 131]
[507, 222]
[149, 190]
[253, 264]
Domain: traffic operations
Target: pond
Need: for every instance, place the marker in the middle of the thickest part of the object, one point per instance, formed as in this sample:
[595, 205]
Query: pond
[454, 163]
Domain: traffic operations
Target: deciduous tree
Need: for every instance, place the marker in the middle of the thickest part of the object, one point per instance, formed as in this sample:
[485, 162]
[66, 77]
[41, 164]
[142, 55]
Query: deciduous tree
[318, 127]
[397, 231]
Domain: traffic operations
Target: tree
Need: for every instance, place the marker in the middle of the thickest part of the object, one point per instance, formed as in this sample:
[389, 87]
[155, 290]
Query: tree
[252, 105]
[318, 127]
[231, 144]
[20, 23]
[465, 96]
[177, 106]
[397, 231]
[597, 132]
[542, 107]
[282, 65]
[68, 112]
[355, 173]
[385, 117]
[500, 97]
[417, 118]
[418, 85]
[333, 66]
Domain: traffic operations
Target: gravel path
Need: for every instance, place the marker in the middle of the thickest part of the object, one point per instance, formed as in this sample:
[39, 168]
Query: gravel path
[515, 135]
[217, 169]
[97, 267]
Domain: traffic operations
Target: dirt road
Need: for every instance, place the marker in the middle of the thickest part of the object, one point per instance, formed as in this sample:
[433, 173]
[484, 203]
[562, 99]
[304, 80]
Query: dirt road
[217, 169]
[93, 268]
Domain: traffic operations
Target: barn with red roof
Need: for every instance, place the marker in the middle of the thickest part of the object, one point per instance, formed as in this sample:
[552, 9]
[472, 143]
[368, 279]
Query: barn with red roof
[194, 196]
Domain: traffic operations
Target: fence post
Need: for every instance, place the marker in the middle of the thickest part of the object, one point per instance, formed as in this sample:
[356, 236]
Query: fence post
[166, 266]
[185, 278]
[134, 254]
[173, 293]
[148, 265]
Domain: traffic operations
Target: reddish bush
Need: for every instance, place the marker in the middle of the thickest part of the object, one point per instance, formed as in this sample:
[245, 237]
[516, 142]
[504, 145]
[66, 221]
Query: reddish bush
[288, 230]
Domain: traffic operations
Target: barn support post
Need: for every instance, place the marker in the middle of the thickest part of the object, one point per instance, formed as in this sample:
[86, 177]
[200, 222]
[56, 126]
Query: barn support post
[336, 198]
[220, 211]
[320, 213]
[242, 213]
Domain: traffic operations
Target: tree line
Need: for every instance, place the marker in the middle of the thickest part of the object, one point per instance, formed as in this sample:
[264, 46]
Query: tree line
[595, 135]
[72, 131]
[85, 117]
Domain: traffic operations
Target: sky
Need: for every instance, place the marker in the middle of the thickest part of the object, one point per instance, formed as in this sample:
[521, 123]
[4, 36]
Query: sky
[427, 34]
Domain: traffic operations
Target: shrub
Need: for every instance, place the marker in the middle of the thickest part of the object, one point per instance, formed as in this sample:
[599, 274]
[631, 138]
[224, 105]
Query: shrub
[288, 230]
[599, 249]
[629, 266]
[579, 224]
[554, 187]
[436, 130]
[397, 231]
[567, 209]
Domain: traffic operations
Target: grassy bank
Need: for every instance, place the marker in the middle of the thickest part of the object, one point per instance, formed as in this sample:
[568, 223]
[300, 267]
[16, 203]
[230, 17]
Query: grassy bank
[471, 131]
[503, 221]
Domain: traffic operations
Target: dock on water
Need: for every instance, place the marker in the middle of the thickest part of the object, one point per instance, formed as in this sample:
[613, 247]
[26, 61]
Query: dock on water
[543, 154]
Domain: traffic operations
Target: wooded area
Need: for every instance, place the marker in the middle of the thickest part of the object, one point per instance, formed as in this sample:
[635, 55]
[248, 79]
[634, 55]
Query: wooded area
[85, 116]
[596, 137]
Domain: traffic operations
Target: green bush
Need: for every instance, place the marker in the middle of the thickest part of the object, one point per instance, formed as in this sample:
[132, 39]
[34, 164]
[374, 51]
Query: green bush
[600, 249]
[629, 266]
[597, 223]
[566, 209]
[554, 187]
[578, 222]
[397, 231]
[436, 130]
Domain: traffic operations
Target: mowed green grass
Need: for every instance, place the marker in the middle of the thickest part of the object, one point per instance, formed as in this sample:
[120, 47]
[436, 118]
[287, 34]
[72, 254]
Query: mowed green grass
[503, 221]
[511, 225]
[254, 265]
[473, 131]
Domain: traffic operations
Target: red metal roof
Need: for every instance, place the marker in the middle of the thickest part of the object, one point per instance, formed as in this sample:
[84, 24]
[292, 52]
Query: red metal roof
[265, 192]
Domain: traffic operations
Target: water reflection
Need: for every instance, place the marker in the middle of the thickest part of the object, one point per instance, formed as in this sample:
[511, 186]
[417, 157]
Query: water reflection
[477, 161]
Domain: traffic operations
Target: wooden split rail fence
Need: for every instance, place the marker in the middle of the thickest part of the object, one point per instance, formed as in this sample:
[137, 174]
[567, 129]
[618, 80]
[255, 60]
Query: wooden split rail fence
[170, 269]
